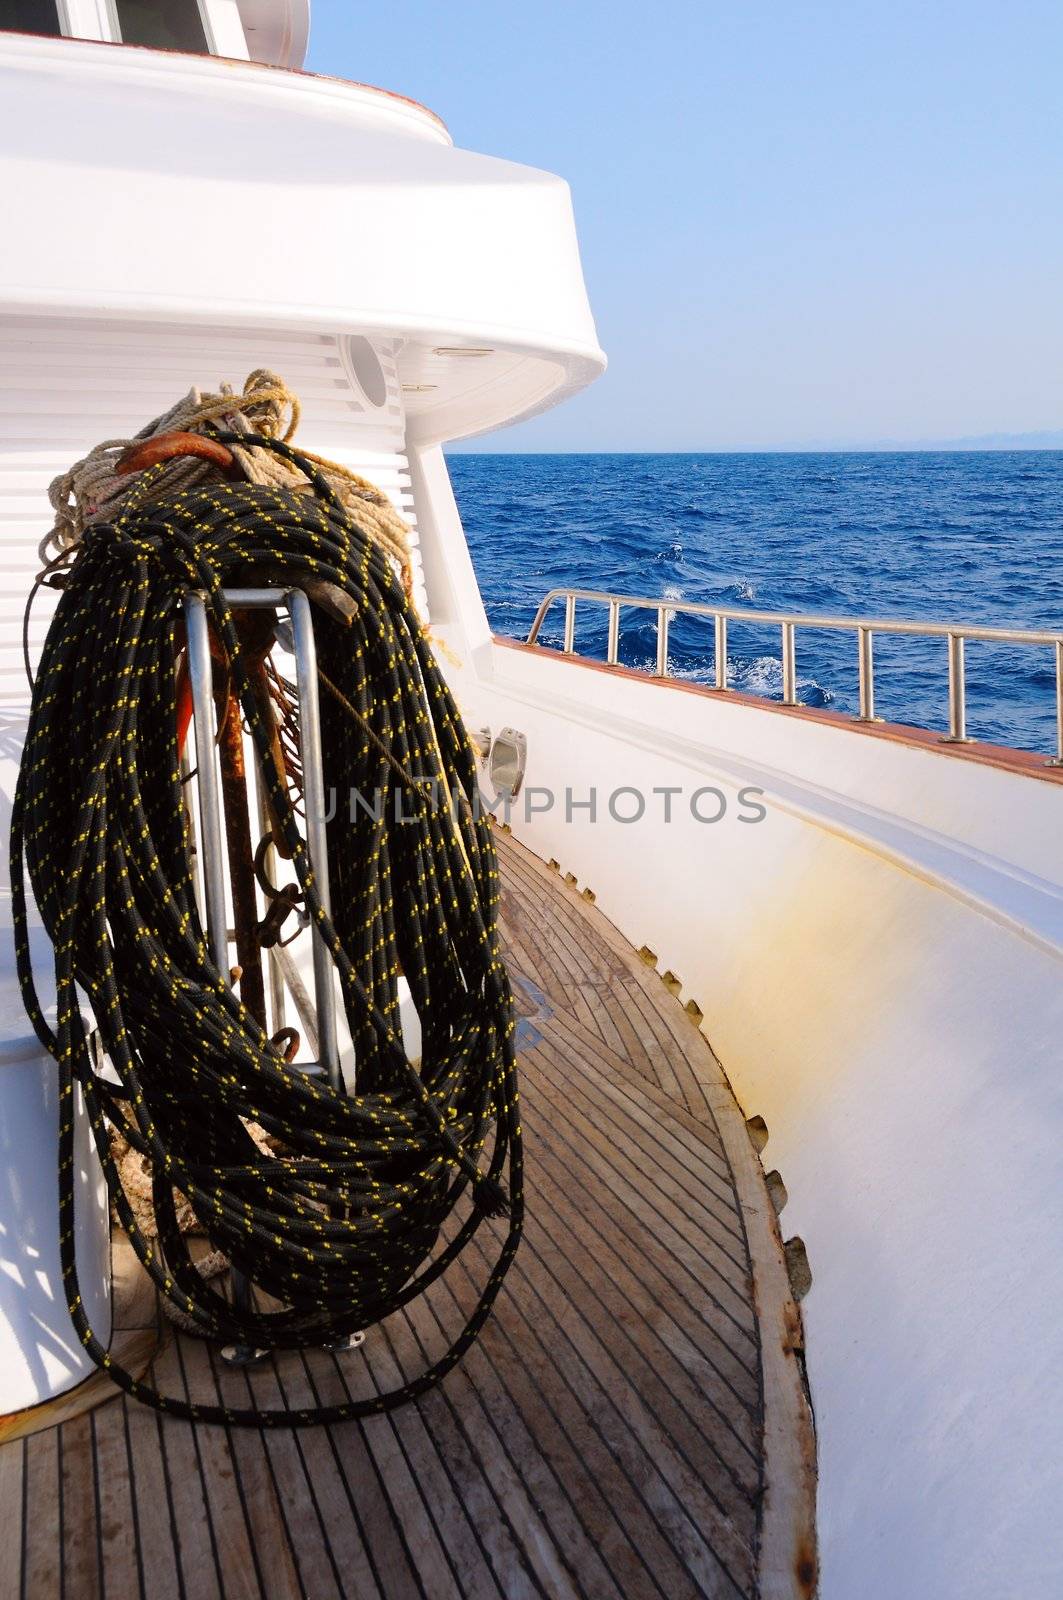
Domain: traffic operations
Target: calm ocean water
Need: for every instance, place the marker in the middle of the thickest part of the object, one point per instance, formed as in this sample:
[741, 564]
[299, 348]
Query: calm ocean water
[967, 537]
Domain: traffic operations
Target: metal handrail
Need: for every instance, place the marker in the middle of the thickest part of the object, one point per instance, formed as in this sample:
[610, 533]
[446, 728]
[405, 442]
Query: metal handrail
[956, 634]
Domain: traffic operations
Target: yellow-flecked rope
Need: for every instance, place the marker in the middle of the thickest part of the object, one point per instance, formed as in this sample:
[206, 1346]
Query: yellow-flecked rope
[340, 1223]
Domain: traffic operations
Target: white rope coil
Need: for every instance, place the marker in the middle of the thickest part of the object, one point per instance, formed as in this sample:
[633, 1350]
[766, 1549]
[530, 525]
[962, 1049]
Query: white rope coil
[92, 491]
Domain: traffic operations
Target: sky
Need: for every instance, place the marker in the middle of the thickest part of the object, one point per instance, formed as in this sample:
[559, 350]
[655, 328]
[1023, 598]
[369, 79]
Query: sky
[802, 224]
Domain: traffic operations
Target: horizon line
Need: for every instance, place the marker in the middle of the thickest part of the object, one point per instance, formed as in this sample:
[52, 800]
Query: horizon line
[792, 450]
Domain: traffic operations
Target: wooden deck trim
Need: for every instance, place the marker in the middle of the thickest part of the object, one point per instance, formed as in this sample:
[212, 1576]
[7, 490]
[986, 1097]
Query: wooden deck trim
[787, 1553]
[1020, 763]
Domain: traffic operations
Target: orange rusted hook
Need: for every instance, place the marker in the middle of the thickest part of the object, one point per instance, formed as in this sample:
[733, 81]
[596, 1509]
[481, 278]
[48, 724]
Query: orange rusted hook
[168, 447]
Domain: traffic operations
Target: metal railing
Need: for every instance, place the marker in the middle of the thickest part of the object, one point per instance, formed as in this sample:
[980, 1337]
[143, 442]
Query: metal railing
[864, 629]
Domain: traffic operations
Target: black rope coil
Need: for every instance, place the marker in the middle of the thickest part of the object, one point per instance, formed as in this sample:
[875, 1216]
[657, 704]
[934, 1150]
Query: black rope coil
[342, 1225]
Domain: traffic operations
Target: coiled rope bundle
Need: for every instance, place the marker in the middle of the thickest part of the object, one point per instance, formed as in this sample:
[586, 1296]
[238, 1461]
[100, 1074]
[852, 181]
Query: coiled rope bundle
[340, 1223]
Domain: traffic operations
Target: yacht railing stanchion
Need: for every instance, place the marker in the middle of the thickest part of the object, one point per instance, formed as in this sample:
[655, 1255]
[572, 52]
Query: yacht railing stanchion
[789, 665]
[613, 647]
[865, 652]
[662, 641]
[720, 629]
[957, 691]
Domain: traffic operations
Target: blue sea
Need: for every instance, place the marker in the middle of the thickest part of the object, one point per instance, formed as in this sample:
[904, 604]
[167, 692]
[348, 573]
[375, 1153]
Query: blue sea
[967, 537]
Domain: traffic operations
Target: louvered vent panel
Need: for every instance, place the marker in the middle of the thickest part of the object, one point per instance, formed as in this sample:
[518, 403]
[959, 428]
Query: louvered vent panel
[67, 384]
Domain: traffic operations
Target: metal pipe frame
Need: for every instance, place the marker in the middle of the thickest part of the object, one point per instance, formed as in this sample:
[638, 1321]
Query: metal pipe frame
[208, 782]
[200, 673]
[956, 635]
[316, 834]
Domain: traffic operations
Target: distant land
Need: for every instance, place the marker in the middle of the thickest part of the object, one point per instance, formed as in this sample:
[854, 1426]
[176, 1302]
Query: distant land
[1046, 439]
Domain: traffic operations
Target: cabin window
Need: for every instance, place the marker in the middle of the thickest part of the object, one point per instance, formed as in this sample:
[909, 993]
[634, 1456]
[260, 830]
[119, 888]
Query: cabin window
[30, 16]
[162, 24]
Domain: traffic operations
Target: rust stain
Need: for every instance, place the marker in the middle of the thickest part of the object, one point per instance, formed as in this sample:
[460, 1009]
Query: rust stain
[806, 1569]
[795, 1328]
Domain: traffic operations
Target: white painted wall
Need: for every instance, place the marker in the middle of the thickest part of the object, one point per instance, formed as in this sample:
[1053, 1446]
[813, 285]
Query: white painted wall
[879, 963]
[40, 1354]
[67, 383]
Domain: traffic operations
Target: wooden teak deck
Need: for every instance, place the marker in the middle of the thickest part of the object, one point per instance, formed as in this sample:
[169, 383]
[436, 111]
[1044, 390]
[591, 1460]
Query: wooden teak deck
[630, 1426]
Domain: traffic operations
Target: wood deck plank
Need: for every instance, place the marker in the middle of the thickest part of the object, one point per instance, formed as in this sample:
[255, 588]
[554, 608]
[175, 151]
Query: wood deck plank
[597, 1549]
[455, 1530]
[629, 1326]
[521, 1548]
[12, 1467]
[333, 1498]
[238, 1566]
[394, 1569]
[155, 1521]
[629, 991]
[405, 1491]
[297, 1496]
[684, 1293]
[81, 1550]
[469, 1476]
[119, 1563]
[263, 1512]
[635, 1288]
[42, 1577]
[652, 1476]
[558, 1426]
[184, 1492]
[623, 1106]
[694, 1249]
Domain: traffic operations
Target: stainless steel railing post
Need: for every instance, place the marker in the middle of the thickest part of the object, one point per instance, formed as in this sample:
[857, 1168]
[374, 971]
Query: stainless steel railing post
[957, 733]
[789, 665]
[662, 641]
[613, 646]
[865, 652]
[720, 631]
[570, 623]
